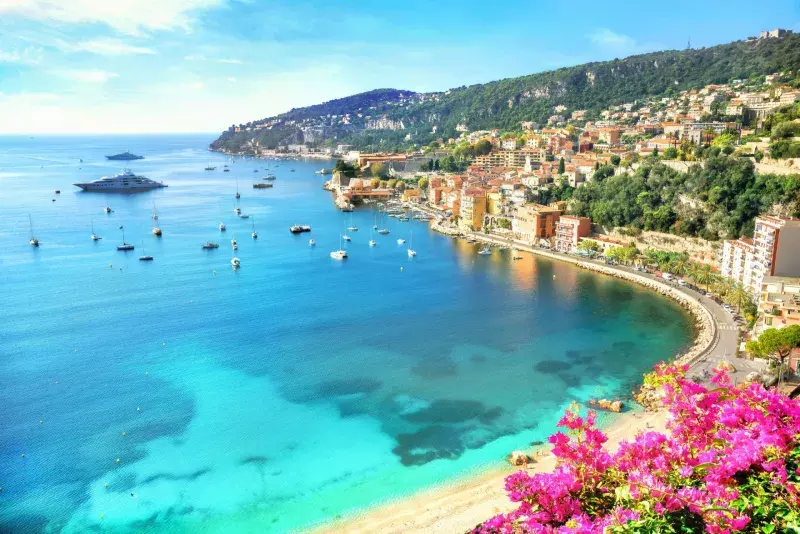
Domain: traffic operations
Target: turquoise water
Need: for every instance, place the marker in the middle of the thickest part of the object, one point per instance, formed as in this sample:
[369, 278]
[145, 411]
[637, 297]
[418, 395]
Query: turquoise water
[292, 391]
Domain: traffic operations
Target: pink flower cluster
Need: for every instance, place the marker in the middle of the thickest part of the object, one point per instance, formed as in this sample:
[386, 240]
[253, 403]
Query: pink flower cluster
[699, 475]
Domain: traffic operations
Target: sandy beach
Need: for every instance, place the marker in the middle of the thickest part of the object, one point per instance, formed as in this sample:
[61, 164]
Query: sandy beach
[462, 505]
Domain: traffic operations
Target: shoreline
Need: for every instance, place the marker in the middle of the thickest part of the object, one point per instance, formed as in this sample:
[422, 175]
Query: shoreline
[461, 504]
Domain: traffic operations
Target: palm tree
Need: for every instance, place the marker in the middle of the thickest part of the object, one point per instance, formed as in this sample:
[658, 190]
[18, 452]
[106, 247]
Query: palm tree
[693, 270]
[722, 286]
[738, 296]
[706, 275]
[679, 265]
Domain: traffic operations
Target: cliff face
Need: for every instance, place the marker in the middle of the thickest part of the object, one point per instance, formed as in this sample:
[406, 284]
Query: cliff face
[359, 119]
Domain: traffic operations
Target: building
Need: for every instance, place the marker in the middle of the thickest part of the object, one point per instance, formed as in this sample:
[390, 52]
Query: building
[533, 222]
[775, 251]
[472, 209]
[778, 303]
[775, 34]
[569, 230]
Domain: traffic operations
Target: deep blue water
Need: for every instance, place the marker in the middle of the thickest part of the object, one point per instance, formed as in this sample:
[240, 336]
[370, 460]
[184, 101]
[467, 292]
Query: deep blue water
[292, 391]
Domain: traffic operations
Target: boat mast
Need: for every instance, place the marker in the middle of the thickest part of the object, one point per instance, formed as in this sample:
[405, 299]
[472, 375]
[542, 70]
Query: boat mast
[30, 220]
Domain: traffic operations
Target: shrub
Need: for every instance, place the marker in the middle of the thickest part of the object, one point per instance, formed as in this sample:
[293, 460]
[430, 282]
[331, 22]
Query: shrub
[729, 462]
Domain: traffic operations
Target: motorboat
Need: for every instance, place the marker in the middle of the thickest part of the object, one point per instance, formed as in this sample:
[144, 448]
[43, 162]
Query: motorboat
[262, 186]
[383, 231]
[244, 216]
[346, 237]
[372, 242]
[237, 211]
[236, 262]
[145, 258]
[222, 227]
[352, 228]
[156, 231]
[485, 251]
[208, 245]
[108, 209]
[299, 228]
[269, 177]
[234, 244]
[123, 156]
[311, 242]
[401, 241]
[411, 251]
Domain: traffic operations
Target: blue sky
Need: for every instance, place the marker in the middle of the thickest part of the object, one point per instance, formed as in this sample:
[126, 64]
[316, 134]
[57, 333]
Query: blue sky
[201, 65]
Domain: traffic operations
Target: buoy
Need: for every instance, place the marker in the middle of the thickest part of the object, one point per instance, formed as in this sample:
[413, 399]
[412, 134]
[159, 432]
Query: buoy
[102, 516]
[401, 268]
[124, 433]
[214, 272]
[117, 460]
[110, 266]
[146, 373]
[105, 485]
[164, 344]
[22, 455]
[41, 421]
[138, 409]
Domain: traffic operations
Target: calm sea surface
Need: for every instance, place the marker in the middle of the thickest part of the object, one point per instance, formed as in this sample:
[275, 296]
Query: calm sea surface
[165, 397]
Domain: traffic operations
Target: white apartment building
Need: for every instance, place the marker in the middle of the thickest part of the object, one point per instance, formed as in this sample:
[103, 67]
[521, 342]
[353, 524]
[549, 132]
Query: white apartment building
[773, 251]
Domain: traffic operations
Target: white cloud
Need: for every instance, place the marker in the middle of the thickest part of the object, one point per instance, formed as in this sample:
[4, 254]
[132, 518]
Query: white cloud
[110, 47]
[128, 16]
[232, 79]
[234, 61]
[200, 57]
[195, 57]
[606, 37]
[90, 76]
[27, 56]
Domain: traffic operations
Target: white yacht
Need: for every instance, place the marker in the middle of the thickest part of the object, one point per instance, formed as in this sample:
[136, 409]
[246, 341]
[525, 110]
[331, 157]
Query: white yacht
[33, 241]
[124, 181]
[222, 227]
[372, 242]
[401, 241]
[235, 263]
[411, 251]
[234, 244]
[95, 237]
[311, 243]
[124, 245]
[485, 251]
[339, 254]
[254, 234]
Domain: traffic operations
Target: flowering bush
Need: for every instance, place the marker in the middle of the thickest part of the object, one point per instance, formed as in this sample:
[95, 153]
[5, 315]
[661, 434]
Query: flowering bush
[729, 462]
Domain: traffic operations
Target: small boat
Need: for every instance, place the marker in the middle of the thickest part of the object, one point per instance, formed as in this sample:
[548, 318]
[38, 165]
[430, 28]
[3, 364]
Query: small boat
[155, 213]
[262, 186]
[124, 245]
[58, 191]
[269, 177]
[145, 258]
[291, 170]
[210, 168]
[311, 243]
[375, 227]
[237, 211]
[156, 231]
[485, 251]
[235, 263]
[372, 242]
[255, 170]
[234, 244]
[237, 189]
[244, 216]
[208, 245]
[108, 210]
[222, 227]
[383, 231]
[95, 237]
[339, 254]
[346, 237]
[352, 228]
[33, 241]
[402, 218]
[254, 234]
[401, 241]
[226, 170]
[411, 252]
[299, 228]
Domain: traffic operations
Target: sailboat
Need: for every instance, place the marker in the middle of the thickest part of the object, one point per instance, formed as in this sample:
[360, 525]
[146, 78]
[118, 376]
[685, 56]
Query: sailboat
[124, 245]
[411, 251]
[145, 257]
[372, 242]
[235, 262]
[237, 188]
[352, 227]
[95, 237]
[33, 241]
[346, 237]
[222, 226]
[383, 231]
[156, 229]
[234, 244]
[341, 253]
[255, 234]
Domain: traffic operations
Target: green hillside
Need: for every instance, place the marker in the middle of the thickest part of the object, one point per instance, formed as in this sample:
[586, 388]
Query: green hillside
[504, 103]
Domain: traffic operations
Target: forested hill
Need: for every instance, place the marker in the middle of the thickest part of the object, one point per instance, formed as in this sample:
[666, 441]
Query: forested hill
[384, 117]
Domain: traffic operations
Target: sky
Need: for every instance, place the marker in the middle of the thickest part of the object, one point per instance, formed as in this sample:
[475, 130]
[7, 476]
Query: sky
[138, 66]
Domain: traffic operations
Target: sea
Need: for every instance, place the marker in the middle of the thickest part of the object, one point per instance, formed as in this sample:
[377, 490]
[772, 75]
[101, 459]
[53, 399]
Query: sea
[180, 395]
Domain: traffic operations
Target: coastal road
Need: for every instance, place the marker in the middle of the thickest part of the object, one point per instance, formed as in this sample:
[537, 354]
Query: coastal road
[726, 343]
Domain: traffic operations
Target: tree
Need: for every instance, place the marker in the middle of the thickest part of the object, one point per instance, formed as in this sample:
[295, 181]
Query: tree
[561, 166]
[483, 147]
[378, 170]
[776, 343]
[374, 183]
[615, 160]
[588, 246]
[706, 275]
[679, 265]
[423, 183]
[671, 153]
[739, 296]
[400, 185]
[345, 168]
